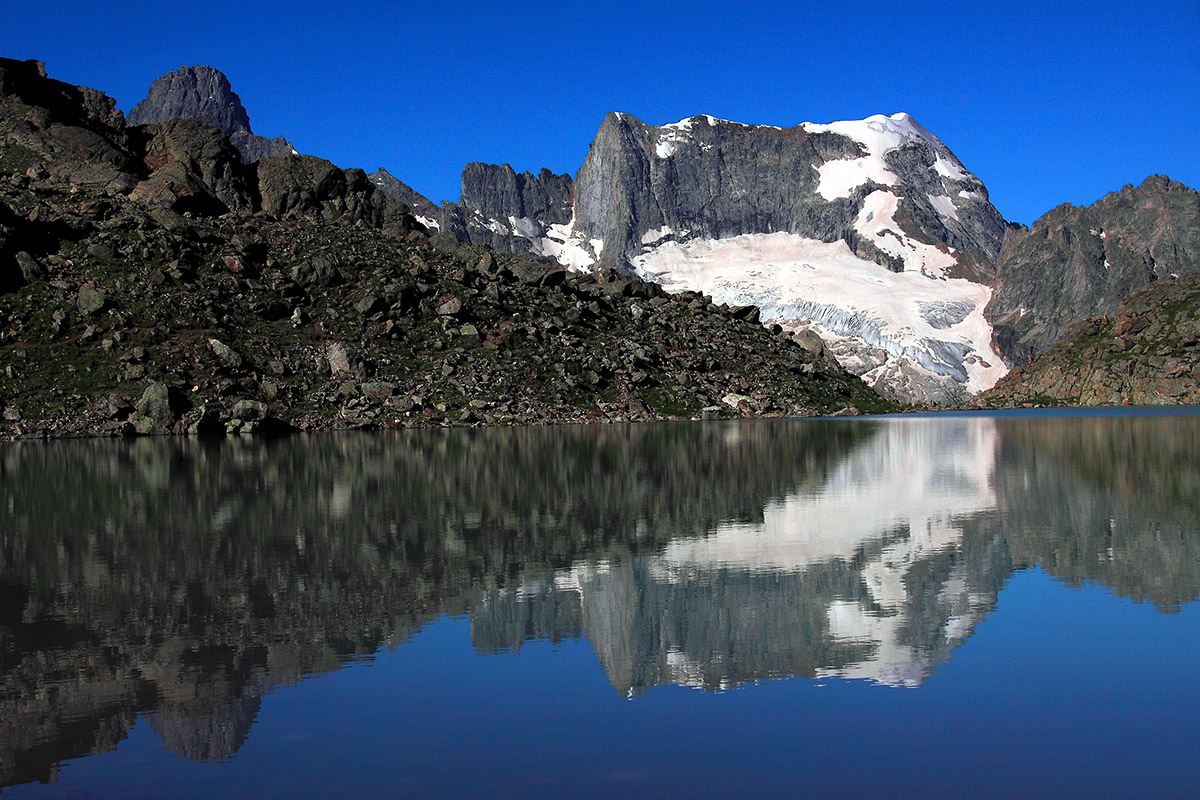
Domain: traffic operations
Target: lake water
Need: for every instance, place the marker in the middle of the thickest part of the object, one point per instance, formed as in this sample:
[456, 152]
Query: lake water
[942, 606]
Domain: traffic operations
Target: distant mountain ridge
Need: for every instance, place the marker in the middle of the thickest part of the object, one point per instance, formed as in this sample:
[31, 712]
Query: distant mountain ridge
[204, 93]
[870, 233]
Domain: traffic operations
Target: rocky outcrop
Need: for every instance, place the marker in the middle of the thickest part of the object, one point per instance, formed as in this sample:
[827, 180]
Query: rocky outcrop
[193, 167]
[204, 93]
[294, 187]
[1145, 352]
[1081, 262]
[56, 136]
[71, 133]
[396, 189]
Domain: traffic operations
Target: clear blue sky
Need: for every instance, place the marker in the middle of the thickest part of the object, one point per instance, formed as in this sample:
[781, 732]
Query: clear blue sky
[1045, 102]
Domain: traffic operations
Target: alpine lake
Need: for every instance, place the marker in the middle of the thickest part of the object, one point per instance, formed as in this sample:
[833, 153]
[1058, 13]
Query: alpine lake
[949, 605]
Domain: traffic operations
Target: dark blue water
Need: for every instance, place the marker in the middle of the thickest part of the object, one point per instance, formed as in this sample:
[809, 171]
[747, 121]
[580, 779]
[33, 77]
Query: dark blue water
[948, 606]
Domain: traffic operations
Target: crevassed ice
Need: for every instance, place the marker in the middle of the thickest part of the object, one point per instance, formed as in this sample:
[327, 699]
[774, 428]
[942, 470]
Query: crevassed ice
[790, 277]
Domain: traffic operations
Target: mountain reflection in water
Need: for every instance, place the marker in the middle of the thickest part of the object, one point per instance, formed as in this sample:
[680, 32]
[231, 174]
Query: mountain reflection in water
[180, 580]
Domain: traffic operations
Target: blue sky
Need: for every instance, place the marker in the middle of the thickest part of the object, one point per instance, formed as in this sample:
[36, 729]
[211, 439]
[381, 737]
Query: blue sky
[1046, 103]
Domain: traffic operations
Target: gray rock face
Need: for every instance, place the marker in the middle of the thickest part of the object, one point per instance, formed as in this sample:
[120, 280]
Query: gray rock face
[194, 168]
[204, 93]
[717, 179]
[502, 208]
[709, 178]
[660, 200]
[1081, 262]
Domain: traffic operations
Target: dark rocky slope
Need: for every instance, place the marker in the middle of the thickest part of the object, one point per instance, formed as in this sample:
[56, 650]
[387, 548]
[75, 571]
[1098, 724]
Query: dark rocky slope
[204, 93]
[152, 283]
[1081, 262]
[1146, 352]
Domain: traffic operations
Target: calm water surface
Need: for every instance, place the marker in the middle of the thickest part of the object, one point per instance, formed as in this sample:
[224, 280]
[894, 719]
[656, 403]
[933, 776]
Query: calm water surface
[938, 606]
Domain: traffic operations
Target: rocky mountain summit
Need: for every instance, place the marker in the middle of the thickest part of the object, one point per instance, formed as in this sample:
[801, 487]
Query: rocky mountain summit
[1081, 262]
[150, 283]
[870, 233]
[1146, 351]
[204, 93]
[425, 211]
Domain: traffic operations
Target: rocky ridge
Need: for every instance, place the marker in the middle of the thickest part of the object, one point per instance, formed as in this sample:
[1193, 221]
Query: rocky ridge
[204, 93]
[1081, 262]
[166, 287]
[1145, 352]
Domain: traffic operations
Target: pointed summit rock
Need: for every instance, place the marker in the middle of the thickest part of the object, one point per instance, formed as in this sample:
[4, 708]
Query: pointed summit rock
[204, 93]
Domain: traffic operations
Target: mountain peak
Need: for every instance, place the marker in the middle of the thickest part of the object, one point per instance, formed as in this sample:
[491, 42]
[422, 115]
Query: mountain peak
[197, 92]
[204, 93]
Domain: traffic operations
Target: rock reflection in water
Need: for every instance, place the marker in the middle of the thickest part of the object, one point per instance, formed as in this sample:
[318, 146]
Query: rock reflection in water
[183, 580]
[876, 571]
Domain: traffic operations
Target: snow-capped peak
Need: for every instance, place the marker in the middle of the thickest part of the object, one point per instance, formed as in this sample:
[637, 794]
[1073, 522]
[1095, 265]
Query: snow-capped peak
[878, 135]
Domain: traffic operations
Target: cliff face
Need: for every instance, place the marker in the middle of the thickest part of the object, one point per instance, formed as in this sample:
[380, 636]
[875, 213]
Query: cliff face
[709, 178]
[705, 178]
[508, 210]
[205, 94]
[1081, 262]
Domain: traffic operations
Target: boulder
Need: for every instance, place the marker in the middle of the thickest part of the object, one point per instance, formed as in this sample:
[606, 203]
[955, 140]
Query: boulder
[193, 168]
[155, 413]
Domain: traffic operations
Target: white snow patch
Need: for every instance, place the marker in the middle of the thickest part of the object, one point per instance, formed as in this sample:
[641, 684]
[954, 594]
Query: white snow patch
[876, 221]
[567, 248]
[790, 277]
[650, 237]
[949, 169]
[839, 178]
[496, 226]
[878, 135]
[526, 227]
[429, 222]
[944, 206]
